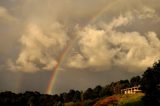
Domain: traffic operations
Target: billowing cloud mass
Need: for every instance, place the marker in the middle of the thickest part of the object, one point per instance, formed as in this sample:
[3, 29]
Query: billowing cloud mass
[99, 47]
[106, 47]
[39, 49]
[108, 34]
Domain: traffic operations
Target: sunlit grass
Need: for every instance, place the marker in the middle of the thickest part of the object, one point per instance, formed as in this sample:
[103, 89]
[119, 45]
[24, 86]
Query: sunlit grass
[131, 100]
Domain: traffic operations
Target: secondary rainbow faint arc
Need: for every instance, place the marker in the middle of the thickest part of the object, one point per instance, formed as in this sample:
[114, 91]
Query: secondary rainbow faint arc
[68, 46]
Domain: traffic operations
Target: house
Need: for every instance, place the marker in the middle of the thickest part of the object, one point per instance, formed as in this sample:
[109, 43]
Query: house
[132, 90]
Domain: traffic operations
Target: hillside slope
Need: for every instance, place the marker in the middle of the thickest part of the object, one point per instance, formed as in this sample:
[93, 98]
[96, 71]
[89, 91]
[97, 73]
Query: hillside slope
[131, 100]
[121, 100]
[111, 100]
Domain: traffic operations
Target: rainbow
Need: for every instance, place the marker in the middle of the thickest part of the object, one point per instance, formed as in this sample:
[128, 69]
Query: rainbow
[60, 61]
[68, 47]
[55, 69]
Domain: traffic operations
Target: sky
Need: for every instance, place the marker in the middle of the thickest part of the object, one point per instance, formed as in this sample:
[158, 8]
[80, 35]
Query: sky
[94, 42]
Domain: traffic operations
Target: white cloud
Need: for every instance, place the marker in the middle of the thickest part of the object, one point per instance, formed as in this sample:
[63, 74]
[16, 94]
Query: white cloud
[39, 48]
[5, 15]
[98, 47]
[90, 46]
[135, 50]
[77, 61]
[120, 21]
[147, 13]
[107, 47]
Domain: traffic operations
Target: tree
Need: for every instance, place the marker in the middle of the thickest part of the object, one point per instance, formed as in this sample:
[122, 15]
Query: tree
[68, 97]
[122, 84]
[77, 96]
[96, 91]
[106, 91]
[135, 81]
[88, 94]
[150, 85]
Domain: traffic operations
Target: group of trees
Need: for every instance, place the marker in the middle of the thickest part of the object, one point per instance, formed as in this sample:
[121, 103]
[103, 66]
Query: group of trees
[29, 99]
[72, 95]
[99, 91]
[110, 89]
[150, 85]
[36, 99]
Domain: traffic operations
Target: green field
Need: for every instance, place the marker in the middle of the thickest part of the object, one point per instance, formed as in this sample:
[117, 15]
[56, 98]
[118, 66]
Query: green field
[131, 100]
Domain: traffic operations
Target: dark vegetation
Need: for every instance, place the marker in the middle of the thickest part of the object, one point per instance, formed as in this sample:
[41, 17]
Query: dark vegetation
[150, 85]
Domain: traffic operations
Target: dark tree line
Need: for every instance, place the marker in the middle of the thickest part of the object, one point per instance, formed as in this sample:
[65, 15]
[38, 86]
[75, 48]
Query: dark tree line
[29, 99]
[150, 85]
[36, 99]
[110, 89]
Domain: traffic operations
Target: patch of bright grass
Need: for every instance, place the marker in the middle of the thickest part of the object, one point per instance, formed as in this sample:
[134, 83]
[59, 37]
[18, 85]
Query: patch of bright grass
[131, 100]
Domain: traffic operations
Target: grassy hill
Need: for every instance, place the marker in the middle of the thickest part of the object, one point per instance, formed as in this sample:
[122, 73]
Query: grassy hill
[115, 100]
[121, 100]
[131, 100]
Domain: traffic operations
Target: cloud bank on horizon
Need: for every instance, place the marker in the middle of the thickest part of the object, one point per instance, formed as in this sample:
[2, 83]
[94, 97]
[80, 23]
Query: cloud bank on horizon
[110, 33]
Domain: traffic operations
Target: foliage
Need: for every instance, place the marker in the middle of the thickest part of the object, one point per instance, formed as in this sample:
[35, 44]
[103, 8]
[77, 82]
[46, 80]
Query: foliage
[122, 84]
[135, 81]
[150, 85]
[28, 99]
[88, 94]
